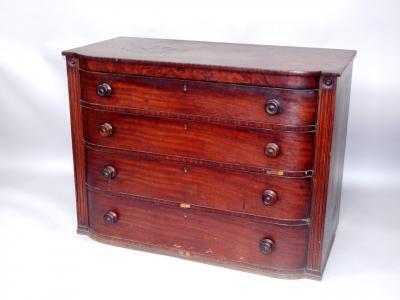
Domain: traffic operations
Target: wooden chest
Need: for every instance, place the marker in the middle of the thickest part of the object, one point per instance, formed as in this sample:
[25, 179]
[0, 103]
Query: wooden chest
[224, 153]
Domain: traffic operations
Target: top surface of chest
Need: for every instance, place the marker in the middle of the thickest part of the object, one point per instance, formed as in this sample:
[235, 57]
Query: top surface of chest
[246, 63]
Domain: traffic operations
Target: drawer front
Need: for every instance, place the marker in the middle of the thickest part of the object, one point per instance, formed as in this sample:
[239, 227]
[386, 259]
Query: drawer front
[201, 141]
[196, 232]
[256, 194]
[226, 101]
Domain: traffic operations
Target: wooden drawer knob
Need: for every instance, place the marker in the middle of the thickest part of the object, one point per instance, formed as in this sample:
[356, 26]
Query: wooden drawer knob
[271, 150]
[266, 246]
[269, 197]
[272, 107]
[104, 90]
[109, 172]
[110, 217]
[106, 129]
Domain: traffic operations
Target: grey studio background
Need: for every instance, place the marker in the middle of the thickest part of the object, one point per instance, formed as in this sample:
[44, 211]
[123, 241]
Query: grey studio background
[41, 256]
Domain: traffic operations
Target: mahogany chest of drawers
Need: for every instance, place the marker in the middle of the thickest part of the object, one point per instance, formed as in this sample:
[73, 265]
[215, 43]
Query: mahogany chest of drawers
[225, 153]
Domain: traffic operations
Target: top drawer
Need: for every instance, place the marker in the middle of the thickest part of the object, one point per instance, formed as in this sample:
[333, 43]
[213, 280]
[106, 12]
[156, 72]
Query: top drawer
[184, 97]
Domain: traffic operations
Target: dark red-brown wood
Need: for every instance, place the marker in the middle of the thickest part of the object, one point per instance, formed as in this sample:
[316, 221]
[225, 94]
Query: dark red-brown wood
[328, 170]
[181, 98]
[201, 73]
[77, 145]
[196, 185]
[190, 231]
[291, 67]
[200, 140]
[224, 153]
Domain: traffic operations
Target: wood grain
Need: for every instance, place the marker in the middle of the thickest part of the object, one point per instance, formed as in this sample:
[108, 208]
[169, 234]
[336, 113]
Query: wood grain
[292, 67]
[204, 163]
[275, 59]
[202, 186]
[186, 97]
[198, 140]
[337, 161]
[77, 141]
[188, 231]
[322, 165]
[200, 73]
[180, 157]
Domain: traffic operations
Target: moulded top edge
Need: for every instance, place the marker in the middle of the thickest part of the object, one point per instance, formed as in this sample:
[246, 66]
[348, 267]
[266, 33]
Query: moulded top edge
[282, 60]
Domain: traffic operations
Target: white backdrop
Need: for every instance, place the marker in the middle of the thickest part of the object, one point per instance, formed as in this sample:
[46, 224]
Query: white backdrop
[41, 257]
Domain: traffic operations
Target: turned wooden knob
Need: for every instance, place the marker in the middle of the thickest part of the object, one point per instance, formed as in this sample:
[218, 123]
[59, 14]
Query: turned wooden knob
[272, 107]
[109, 172]
[271, 150]
[110, 217]
[104, 90]
[269, 197]
[266, 246]
[105, 129]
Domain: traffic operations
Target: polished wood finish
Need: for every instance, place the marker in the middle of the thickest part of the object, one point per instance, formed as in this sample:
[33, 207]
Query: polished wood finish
[104, 90]
[198, 185]
[202, 73]
[267, 246]
[77, 145]
[187, 97]
[200, 140]
[272, 150]
[273, 107]
[194, 231]
[291, 67]
[269, 197]
[109, 172]
[224, 153]
[105, 129]
[329, 160]
[110, 217]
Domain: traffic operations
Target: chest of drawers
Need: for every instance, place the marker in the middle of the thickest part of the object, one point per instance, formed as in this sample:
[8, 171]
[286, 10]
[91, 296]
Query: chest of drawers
[224, 153]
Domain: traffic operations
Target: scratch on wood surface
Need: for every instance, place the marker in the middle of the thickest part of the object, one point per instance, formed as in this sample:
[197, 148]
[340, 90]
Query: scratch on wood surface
[185, 205]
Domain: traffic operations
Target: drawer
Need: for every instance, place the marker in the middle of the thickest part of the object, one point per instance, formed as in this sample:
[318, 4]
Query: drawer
[294, 150]
[242, 192]
[195, 232]
[226, 101]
